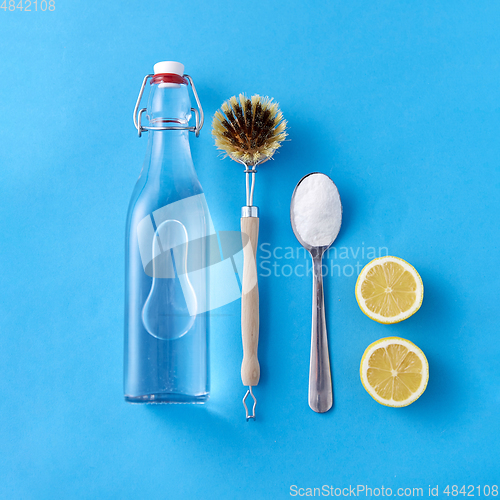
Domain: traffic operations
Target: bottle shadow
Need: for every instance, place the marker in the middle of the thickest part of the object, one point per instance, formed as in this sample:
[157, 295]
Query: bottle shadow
[209, 419]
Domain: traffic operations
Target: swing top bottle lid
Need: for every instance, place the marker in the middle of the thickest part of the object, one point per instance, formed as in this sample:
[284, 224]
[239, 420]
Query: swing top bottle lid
[172, 67]
[169, 75]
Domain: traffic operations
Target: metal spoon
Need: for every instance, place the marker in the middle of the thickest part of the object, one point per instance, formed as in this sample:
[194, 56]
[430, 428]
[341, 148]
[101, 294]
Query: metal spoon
[320, 379]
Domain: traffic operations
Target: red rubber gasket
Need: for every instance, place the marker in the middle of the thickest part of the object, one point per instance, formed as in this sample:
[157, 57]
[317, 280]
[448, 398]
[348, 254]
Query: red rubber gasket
[168, 78]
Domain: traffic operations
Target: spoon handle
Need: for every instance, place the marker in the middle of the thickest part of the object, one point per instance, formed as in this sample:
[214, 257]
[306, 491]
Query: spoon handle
[320, 379]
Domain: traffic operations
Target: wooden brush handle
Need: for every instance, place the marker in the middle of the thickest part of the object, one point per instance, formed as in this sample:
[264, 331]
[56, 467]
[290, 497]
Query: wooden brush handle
[250, 369]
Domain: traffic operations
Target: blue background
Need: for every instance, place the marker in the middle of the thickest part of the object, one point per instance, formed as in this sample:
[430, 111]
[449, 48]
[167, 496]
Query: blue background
[397, 101]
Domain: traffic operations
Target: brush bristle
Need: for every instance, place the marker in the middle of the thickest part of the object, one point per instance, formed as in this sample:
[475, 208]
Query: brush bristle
[249, 130]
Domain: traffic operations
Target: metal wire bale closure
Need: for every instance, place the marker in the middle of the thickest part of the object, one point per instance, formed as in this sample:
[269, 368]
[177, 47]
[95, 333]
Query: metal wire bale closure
[199, 116]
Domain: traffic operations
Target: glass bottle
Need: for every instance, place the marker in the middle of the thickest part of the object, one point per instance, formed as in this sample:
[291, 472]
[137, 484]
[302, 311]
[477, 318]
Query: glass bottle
[166, 311]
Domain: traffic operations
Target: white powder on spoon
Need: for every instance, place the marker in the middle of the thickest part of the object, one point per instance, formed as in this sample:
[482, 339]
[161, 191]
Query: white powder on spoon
[317, 210]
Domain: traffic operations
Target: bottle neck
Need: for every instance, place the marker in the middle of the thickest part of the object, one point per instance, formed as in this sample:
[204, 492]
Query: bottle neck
[169, 103]
[169, 152]
[169, 166]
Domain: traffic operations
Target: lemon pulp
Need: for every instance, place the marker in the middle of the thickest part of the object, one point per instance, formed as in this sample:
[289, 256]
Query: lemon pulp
[394, 371]
[389, 290]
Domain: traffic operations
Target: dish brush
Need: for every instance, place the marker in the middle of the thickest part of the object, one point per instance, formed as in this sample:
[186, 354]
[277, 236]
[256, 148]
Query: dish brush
[249, 131]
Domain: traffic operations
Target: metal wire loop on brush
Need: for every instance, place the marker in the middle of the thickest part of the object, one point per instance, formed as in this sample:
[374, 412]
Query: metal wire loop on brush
[254, 403]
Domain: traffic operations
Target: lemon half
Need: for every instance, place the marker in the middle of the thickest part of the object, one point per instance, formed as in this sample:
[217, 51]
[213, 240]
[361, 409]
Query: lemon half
[389, 290]
[394, 371]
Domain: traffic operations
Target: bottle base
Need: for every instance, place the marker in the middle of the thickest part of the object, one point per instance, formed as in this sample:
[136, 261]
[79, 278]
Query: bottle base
[167, 398]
